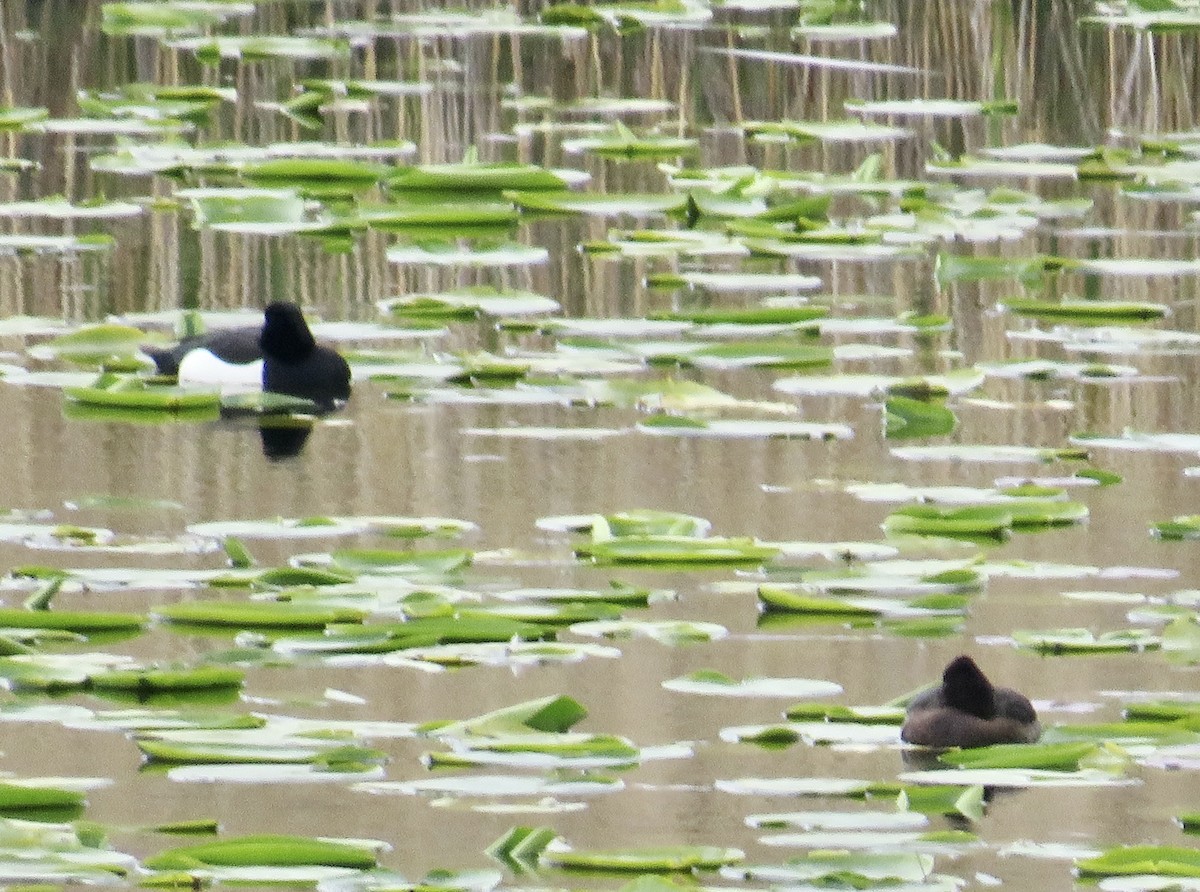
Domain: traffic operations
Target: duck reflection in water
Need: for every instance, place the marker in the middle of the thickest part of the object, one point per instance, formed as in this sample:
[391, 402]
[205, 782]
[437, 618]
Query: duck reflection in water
[283, 441]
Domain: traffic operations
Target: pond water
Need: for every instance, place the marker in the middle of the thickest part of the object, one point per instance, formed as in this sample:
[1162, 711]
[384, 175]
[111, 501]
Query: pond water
[562, 422]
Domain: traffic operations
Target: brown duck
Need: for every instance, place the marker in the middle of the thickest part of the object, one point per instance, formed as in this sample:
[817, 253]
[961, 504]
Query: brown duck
[966, 710]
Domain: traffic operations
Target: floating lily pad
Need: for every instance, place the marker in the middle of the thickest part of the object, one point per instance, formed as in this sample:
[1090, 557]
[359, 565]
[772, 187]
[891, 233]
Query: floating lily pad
[602, 204]
[144, 681]
[1018, 778]
[664, 549]
[94, 344]
[1087, 312]
[267, 850]
[886, 715]
[255, 614]
[906, 418]
[467, 303]
[473, 176]
[1172, 861]
[840, 820]
[22, 795]
[864, 869]
[933, 520]
[1056, 756]
[1185, 526]
[624, 143]
[400, 562]
[988, 453]
[934, 108]
[134, 393]
[485, 254]
[1082, 641]
[666, 631]
[844, 131]
[15, 118]
[713, 683]
[651, 860]
[82, 621]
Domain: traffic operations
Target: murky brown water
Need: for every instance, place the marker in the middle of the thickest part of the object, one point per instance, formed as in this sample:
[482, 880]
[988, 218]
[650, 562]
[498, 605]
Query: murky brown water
[384, 456]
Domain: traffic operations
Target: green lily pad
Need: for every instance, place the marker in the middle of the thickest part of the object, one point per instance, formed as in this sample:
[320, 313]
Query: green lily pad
[664, 549]
[15, 118]
[477, 177]
[268, 46]
[1088, 312]
[555, 714]
[134, 393]
[649, 860]
[94, 344]
[906, 418]
[401, 562]
[1185, 526]
[1174, 861]
[601, 204]
[266, 850]
[255, 614]
[666, 631]
[20, 795]
[776, 598]
[158, 680]
[82, 621]
[836, 712]
[935, 520]
[1055, 756]
[624, 143]
[1083, 641]
[470, 302]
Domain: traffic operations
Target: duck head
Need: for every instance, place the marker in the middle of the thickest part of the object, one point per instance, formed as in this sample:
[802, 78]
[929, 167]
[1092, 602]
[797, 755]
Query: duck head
[285, 335]
[295, 364]
[967, 689]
